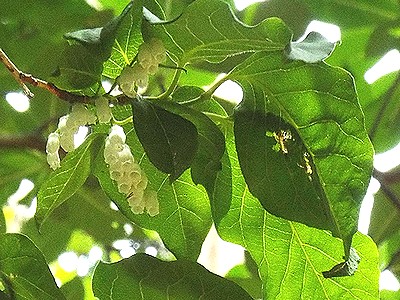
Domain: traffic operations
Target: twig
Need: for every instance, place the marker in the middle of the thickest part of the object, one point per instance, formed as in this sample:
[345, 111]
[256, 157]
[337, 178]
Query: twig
[30, 141]
[23, 78]
[385, 188]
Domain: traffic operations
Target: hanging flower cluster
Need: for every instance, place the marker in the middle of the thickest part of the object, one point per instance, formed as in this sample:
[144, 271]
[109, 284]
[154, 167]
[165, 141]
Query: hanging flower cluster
[135, 78]
[69, 124]
[126, 172]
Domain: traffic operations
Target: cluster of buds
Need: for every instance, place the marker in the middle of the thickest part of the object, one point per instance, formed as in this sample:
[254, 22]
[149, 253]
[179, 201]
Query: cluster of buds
[135, 78]
[126, 172]
[69, 124]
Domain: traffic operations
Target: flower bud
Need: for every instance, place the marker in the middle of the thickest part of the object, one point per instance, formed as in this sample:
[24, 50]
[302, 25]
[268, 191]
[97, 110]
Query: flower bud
[53, 143]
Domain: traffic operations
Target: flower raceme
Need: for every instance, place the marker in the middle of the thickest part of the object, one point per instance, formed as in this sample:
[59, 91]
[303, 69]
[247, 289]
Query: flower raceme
[127, 173]
[134, 79]
[69, 124]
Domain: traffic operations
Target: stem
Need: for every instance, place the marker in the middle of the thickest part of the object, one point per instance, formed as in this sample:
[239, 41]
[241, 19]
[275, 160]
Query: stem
[386, 97]
[123, 122]
[207, 94]
[171, 87]
[30, 141]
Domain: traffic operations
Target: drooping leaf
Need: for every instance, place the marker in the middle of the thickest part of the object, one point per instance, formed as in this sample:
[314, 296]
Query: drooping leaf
[184, 219]
[146, 277]
[207, 30]
[128, 38]
[23, 270]
[291, 256]
[322, 122]
[314, 48]
[211, 145]
[66, 180]
[170, 141]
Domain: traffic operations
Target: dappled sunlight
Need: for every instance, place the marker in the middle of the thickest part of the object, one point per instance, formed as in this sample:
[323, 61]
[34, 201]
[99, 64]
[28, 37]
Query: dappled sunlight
[16, 214]
[388, 281]
[242, 4]
[18, 100]
[367, 205]
[330, 31]
[389, 63]
[219, 256]
[388, 160]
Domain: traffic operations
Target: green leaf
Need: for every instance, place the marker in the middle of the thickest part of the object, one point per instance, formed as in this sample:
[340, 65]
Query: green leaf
[389, 295]
[207, 30]
[291, 256]
[128, 38]
[314, 48]
[184, 219]
[23, 270]
[145, 277]
[354, 13]
[66, 180]
[323, 141]
[170, 141]
[346, 268]
[211, 145]
[78, 69]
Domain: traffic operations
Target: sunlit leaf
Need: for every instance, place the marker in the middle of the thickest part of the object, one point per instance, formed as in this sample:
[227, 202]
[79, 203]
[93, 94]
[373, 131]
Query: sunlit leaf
[326, 134]
[146, 277]
[128, 38]
[207, 30]
[23, 270]
[66, 180]
[290, 256]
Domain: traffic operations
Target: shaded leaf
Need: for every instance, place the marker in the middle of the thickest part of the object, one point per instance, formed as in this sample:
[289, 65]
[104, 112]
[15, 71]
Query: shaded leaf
[66, 180]
[207, 30]
[169, 140]
[314, 48]
[291, 256]
[145, 277]
[211, 145]
[23, 270]
[77, 70]
[327, 128]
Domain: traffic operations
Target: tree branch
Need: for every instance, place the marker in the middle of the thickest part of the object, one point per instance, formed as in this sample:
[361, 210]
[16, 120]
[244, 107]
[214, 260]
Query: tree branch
[30, 141]
[24, 78]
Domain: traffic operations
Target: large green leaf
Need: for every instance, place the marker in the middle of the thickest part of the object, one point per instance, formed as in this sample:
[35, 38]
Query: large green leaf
[23, 270]
[207, 30]
[291, 256]
[128, 38]
[146, 277]
[184, 219]
[66, 180]
[315, 111]
[170, 141]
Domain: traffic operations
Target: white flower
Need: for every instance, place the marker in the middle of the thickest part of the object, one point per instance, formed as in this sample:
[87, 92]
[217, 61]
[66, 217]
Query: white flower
[127, 174]
[103, 110]
[53, 143]
[53, 160]
[151, 202]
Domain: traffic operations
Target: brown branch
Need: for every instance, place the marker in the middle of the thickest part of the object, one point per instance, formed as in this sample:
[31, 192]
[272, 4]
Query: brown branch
[30, 141]
[23, 78]
[386, 189]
